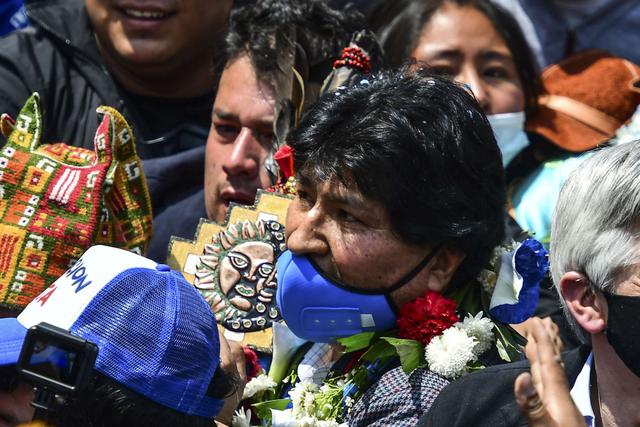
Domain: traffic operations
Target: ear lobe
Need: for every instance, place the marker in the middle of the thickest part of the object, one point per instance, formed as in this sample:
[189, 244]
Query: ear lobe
[444, 265]
[582, 303]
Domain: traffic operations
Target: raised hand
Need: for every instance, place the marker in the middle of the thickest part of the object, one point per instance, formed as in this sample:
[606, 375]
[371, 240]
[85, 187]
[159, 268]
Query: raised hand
[543, 395]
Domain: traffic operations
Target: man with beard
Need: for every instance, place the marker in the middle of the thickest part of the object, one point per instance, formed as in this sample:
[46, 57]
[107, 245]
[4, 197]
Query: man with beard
[595, 266]
[241, 143]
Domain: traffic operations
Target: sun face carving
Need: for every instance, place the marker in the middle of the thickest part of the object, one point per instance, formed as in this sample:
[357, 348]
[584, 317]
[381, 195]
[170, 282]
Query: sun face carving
[237, 274]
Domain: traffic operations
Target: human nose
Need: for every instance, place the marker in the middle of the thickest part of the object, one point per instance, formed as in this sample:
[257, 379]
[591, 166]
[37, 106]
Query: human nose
[242, 159]
[308, 232]
[476, 85]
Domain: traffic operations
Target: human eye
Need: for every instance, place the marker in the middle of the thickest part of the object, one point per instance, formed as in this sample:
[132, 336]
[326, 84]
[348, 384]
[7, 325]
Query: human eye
[304, 197]
[226, 131]
[348, 218]
[443, 70]
[496, 72]
[266, 139]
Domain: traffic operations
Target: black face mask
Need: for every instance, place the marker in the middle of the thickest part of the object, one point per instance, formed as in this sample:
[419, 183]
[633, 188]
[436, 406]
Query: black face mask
[623, 329]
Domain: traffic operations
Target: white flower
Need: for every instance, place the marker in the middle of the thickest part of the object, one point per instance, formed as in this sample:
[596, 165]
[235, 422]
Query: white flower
[283, 418]
[260, 383]
[303, 398]
[348, 401]
[480, 328]
[449, 354]
[241, 419]
[309, 403]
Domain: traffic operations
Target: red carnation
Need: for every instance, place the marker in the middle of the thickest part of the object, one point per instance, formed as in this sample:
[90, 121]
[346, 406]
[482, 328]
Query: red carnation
[427, 317]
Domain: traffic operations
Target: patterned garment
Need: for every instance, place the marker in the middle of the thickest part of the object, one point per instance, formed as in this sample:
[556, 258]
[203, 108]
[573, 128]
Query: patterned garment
[316, 363]
[56, 201]
[397, 399]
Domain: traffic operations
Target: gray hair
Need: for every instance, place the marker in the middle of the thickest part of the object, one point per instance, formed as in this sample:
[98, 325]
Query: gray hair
[595, 224]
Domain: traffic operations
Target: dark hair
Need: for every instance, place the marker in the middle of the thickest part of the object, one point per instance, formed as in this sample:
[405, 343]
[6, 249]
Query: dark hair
[421, 146]
[320, 31]
[399, 23]
[108, 403]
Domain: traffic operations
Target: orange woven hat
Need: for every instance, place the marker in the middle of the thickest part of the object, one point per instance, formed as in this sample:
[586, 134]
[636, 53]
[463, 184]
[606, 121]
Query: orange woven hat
[586, 98]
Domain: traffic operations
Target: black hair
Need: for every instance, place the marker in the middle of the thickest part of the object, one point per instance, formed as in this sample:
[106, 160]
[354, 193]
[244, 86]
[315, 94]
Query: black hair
[422, 147]
[320, 31]
[399, 23]
[108, 403]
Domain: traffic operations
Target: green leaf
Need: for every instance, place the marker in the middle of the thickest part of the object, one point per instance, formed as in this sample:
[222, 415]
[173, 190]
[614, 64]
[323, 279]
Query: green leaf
[263, 409]
[411, 353]
[380, 350]
[357, 342]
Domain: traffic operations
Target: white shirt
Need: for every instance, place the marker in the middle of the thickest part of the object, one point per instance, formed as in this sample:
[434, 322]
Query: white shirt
[581, 393]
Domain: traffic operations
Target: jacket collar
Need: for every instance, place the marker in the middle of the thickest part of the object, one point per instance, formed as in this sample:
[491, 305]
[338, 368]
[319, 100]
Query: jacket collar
[67, 22]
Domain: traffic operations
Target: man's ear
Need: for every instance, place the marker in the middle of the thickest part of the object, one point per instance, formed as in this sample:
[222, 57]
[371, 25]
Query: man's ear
[444, 265]
[583, 304]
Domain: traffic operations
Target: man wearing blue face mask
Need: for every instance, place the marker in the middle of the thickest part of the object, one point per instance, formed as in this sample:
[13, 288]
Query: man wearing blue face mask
[400, 198]
[595, 267]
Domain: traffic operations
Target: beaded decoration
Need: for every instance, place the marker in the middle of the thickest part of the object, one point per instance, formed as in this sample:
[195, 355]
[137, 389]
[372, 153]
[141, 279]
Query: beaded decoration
[354, 57]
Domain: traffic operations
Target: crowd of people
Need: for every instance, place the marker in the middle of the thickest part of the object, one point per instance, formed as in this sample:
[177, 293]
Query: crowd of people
[460, 246]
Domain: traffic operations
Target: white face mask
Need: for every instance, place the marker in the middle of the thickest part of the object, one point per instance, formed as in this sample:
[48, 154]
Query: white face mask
[508, 129]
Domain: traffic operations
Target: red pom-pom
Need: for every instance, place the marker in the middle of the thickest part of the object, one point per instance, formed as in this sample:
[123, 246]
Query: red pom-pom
[252, 363]
[427, 317]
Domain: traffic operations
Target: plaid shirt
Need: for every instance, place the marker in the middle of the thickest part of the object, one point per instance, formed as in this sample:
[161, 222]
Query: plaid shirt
[397, 399]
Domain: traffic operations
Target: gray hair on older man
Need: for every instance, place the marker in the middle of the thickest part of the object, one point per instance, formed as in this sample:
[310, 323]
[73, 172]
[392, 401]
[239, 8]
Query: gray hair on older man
[596, 223]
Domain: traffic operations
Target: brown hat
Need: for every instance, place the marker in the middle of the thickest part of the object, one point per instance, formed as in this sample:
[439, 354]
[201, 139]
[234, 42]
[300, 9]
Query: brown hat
[586, 98]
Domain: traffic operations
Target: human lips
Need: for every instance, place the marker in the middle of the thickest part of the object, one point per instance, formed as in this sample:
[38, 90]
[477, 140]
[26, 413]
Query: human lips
[237, 196]
[146, 12]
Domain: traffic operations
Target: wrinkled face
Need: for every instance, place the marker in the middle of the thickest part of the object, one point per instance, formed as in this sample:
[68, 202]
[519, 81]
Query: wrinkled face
[157, 32]
[461, 43]
[240, 140]
[348, 236]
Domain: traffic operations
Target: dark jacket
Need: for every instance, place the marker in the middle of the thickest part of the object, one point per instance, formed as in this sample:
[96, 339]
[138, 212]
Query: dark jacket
[181, 220]
[486, 398]
[58, 57]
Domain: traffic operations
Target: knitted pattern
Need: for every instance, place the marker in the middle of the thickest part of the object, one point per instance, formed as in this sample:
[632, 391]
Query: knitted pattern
[397, 399]
[56, 201]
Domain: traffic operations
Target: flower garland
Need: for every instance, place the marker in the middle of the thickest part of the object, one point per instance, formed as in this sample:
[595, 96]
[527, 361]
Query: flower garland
[429, 334]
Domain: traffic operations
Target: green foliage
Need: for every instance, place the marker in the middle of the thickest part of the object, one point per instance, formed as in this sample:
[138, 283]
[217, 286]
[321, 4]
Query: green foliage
[411, 353]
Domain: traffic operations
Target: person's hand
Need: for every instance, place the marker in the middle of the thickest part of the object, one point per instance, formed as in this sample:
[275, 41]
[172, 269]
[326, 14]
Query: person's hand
[231, 360]
[543, 395]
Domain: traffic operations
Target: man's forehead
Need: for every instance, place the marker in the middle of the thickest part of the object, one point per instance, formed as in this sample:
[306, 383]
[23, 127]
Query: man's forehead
[240, 88]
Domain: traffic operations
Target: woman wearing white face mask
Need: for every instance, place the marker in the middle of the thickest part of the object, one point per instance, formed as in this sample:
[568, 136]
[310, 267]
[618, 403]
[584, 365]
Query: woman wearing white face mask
[481, 45]
[473, 42]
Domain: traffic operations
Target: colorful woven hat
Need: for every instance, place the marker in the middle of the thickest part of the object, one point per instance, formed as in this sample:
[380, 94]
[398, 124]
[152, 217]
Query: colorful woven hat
[57, 200]
[587, 97]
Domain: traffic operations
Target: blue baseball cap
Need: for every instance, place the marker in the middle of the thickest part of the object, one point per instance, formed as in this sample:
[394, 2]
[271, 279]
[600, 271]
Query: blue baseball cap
[155, 333]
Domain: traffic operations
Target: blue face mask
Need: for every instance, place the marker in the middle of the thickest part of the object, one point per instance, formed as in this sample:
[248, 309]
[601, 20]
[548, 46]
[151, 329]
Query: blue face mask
[319, 309]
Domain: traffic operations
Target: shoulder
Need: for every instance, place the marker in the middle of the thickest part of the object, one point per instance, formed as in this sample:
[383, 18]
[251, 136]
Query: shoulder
[181, 220]
[397, 398]
[478, 399]
[485, 398]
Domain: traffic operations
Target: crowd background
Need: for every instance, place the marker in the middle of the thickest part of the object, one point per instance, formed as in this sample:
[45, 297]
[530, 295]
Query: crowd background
[454, 124]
